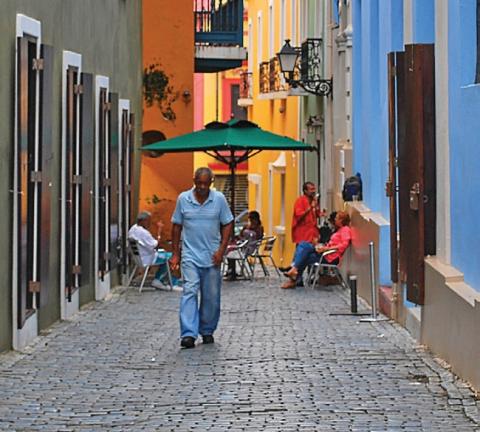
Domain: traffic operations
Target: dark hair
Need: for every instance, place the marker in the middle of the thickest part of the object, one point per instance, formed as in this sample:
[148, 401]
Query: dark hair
[203, 171]
[332, 217]
[254, 215]
[306, 184]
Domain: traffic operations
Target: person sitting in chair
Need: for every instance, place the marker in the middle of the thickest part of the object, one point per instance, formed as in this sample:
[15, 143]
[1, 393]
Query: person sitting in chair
[252, 232]
[310, 253]
[148, 244]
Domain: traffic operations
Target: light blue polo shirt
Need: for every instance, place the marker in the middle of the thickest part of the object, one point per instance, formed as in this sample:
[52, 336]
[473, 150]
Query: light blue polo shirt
[201, 225]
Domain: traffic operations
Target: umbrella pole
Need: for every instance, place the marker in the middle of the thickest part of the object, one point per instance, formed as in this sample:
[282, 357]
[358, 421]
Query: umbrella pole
[231, 263]
[232, 181]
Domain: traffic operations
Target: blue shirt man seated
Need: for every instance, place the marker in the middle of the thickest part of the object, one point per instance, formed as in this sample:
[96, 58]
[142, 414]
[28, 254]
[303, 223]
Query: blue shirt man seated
[203, 223]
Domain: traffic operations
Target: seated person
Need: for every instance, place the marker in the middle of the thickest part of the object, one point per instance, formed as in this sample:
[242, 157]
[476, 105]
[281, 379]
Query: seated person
[148, 244]
[308, 253]
[252, 232]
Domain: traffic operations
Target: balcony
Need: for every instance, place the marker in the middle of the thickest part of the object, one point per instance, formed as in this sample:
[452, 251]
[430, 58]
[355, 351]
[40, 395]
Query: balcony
[272, 83]
[246, 89]
[218, 35]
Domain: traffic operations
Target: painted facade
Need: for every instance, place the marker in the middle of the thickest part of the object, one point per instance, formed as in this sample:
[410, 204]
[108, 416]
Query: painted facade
[447, 318]
[71, 105]
[164, 177]
[273, 176]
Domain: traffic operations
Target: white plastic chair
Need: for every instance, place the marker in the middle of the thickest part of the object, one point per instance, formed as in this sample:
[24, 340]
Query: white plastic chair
[139, 266]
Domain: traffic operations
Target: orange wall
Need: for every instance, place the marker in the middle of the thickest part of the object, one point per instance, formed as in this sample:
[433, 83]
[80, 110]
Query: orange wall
[168, 39]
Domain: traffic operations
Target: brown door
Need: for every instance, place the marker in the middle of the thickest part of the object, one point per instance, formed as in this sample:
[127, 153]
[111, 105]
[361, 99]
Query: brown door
[412, 150]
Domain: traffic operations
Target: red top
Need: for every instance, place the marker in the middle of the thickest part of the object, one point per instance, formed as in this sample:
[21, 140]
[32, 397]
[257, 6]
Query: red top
[304, 228]
[340, 239]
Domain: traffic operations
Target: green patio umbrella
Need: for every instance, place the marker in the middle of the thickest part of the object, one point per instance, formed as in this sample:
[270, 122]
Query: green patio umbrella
[231, 143]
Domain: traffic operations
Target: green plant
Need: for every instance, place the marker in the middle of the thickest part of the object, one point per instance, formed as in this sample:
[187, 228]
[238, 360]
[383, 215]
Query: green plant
[157, 90]
[154, 199]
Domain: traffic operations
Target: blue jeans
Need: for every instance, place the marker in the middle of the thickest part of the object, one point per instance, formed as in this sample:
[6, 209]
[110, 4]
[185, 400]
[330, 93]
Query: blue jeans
[305, 255]
[202, 320]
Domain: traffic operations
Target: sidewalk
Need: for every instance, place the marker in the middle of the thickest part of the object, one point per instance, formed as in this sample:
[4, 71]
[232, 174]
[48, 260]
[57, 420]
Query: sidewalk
[280, 363]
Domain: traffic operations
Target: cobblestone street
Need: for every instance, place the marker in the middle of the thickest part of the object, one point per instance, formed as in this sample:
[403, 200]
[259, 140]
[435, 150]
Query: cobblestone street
[280, 363]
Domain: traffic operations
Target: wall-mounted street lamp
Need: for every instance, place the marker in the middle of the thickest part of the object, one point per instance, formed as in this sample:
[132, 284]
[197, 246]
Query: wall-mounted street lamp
[310, 54]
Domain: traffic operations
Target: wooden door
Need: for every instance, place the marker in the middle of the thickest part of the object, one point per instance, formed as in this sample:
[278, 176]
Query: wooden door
[412, 136]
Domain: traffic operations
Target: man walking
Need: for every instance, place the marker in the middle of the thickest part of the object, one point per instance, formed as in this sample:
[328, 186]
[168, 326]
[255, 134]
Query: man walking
[204, 223]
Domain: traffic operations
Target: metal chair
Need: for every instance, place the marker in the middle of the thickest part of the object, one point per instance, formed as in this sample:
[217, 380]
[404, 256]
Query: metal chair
[139, 266]
[238, 254]
[263, 252]
[314, 271]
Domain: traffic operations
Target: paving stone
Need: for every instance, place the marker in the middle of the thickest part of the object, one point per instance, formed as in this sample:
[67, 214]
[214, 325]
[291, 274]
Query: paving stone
[280, 362]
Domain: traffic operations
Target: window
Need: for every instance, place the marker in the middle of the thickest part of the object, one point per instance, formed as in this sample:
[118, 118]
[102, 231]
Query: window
[250, 46]
[260, 37]
[283, 23]
[304, 21]
[271, 30]
[293, 29]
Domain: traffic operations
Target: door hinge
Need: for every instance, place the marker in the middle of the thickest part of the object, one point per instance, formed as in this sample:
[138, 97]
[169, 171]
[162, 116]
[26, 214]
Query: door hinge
[77, 179]
[37, 64]
[35, 176]
[76, 269]
[33, 286]
[389, 189]
[78, 89]
[107, 106]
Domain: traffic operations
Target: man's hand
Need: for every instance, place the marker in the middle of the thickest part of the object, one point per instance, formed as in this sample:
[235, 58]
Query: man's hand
[174, 263]
[217, 257]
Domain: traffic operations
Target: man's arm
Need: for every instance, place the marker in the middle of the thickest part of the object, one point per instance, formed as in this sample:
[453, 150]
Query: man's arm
[176, 235]
[226, 232]
[301, 209]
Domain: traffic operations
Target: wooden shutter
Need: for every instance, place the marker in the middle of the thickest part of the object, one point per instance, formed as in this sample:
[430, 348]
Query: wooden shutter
[416, 155]
[46, 116]
[104, 187]
[87, 140]
[114, 189]
[23, 105]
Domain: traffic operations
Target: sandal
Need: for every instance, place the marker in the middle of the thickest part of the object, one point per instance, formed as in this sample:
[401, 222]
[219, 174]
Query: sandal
[292, 274]
[290, 284]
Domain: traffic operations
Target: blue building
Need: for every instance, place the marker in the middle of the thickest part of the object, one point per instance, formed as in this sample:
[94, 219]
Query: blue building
[415, 105]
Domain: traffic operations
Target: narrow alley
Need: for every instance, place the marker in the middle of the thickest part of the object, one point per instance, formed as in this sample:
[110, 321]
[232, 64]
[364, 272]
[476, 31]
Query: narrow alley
[280, 362]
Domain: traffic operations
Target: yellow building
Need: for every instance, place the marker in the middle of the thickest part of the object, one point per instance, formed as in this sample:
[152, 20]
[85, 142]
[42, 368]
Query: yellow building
[273, 176]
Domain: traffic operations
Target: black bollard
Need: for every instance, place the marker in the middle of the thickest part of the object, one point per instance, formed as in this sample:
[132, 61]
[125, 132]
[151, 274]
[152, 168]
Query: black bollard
[353, 293]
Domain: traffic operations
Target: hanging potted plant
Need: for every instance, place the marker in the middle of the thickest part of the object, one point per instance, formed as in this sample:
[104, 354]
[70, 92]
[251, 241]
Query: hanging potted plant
[158, 91]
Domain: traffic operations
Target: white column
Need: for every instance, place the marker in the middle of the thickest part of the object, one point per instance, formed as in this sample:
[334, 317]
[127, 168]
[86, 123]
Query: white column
[442, 132]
